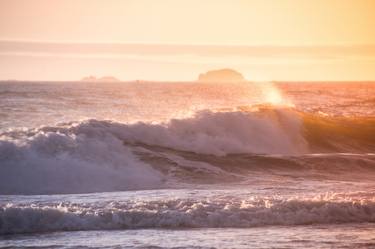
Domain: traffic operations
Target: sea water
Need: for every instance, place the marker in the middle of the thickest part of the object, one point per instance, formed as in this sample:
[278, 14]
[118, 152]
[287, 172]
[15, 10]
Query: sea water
[187, 165]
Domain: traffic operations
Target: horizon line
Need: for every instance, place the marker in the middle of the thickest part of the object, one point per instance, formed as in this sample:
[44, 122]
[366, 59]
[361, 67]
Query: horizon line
[117, 42]
[191, 81]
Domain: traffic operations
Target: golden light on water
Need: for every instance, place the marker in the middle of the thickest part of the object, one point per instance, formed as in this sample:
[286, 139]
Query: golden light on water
[272, 95]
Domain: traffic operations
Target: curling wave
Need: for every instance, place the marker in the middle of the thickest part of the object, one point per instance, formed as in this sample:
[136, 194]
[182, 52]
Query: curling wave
[93, 155]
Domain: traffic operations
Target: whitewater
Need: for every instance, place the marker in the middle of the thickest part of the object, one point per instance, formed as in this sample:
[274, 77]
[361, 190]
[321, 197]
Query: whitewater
[187, 165]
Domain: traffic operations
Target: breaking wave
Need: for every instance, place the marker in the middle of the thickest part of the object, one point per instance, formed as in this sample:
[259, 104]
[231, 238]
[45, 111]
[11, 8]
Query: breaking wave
[94, 155]
[183, 213]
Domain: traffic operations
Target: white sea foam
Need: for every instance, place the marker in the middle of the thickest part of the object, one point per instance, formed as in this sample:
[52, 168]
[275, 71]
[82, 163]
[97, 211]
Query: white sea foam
[177, 213]
[51, 160]
[221, 133]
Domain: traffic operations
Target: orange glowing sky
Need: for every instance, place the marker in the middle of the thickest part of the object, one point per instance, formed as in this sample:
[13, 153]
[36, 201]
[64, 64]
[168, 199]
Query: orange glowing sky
[178, 39]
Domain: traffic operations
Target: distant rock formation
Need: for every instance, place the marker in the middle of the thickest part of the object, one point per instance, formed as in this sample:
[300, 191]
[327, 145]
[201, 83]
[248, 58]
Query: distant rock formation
[221, 75]
[100, 79]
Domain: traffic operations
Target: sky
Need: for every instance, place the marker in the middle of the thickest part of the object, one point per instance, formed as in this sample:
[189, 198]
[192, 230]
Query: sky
[178, 39]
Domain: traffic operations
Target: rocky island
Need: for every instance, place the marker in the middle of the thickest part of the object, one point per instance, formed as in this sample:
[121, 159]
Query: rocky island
[221, 75]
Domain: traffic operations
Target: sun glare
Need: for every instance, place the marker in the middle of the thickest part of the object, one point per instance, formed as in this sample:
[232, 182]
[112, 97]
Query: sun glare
[272, 95]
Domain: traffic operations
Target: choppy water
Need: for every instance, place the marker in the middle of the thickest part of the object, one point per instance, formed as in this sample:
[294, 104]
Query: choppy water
[182, 165]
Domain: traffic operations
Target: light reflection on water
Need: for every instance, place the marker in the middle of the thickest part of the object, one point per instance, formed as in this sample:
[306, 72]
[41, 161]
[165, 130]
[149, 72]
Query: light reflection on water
[321, 236]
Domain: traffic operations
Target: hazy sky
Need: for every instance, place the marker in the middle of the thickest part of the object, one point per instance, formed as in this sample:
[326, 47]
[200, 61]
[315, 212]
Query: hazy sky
[176, 39]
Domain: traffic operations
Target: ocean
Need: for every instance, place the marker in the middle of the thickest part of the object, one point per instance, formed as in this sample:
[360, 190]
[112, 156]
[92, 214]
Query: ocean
[187, 165]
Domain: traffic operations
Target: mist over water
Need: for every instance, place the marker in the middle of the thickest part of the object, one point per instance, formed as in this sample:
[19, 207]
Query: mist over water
[80, 156]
